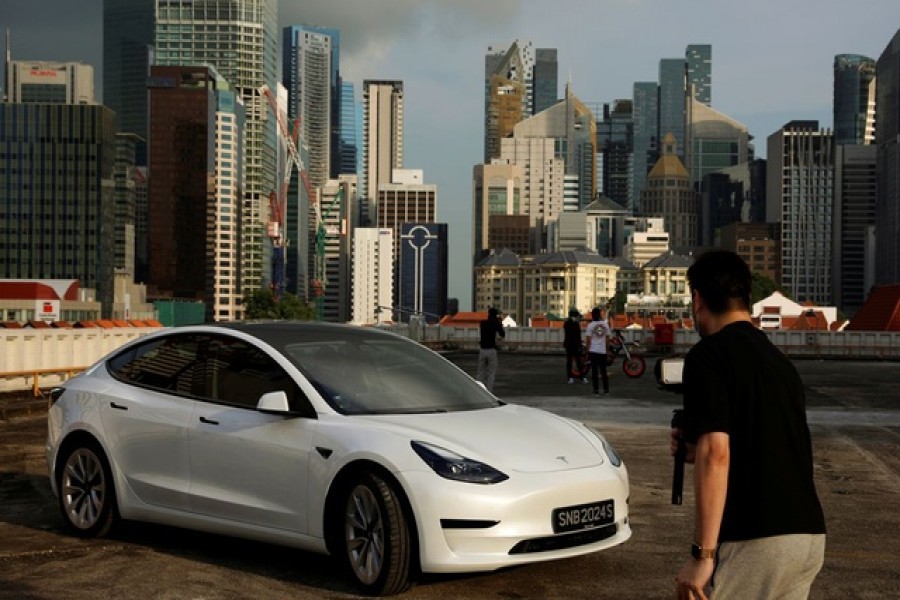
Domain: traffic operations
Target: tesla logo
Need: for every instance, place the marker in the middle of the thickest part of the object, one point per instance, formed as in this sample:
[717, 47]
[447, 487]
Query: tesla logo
[562, 458]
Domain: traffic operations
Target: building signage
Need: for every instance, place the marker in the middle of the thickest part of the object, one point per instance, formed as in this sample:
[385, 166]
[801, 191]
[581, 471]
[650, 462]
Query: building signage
[46, 310]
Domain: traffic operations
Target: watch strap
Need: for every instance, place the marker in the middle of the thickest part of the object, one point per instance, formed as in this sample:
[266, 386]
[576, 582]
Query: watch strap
[699, 552]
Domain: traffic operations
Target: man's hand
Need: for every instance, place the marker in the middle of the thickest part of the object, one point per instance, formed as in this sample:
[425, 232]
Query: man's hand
[674, 437]
[692, 579]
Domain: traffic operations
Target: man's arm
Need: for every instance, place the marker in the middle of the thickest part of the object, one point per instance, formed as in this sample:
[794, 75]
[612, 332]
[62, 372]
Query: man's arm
[711, 463]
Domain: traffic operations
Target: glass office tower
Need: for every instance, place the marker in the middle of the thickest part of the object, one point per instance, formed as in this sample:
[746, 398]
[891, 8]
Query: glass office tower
[698, 61]
[887, 138]
[854, 99]
[646, 139]
[672, 101]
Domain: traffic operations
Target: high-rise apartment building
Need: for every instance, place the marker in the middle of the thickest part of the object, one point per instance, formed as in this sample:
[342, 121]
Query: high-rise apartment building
[646, 139]
[698, 64]
[64, 230]
[43, 82]
[887, 138]
[382, 141]
[854, 225]
[240, 40]
[405, 199]
[424, 249]
[373, 275]
[800, 195]
[333, 273]
[128, 38]
[543, 179]
[126, 198]
[854, 99]
[498, 189]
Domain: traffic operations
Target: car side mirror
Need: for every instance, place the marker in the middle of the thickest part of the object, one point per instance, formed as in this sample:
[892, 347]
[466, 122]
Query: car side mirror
[273, 402]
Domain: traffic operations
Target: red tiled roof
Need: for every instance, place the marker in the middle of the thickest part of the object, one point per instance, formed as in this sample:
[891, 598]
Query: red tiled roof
[37, 324]
[61, 325]
[809, 321]
[85, 324]
[152, 323]
[464, 319]
[11, 325]
[880, 312]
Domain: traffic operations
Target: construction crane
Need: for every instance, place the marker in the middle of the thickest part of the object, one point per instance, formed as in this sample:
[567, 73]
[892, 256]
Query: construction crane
[278, 198]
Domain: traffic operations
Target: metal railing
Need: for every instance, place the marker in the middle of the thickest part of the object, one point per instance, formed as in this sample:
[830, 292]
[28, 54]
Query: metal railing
[35, 376]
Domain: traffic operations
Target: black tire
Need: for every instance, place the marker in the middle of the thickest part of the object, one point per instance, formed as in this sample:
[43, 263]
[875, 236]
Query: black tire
[376, 546]
[87, 497]
[634, 366]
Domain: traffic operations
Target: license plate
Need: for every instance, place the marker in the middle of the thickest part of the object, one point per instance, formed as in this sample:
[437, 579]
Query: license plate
[583, 516]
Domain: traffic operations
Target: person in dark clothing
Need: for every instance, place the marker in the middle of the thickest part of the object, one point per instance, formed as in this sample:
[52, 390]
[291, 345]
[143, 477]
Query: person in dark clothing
[759, 530]
[572, 342]
[487, 356]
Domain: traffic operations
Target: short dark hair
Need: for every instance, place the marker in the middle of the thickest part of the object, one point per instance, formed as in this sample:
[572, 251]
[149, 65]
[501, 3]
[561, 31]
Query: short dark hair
[492, 313]
[595, 314]
[722, 279]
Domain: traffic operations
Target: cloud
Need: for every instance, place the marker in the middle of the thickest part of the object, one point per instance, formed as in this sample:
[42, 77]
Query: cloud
[372, 30]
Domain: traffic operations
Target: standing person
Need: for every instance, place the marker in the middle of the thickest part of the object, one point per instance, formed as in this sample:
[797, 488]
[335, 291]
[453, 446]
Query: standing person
[595, 337]
[487, 356]
[759, 529]
[572, 343]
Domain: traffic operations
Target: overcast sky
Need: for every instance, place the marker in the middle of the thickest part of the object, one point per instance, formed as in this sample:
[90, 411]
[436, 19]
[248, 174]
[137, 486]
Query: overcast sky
[772, 62]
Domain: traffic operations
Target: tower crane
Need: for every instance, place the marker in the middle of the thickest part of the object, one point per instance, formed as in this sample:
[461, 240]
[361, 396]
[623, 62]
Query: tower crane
[278, 198]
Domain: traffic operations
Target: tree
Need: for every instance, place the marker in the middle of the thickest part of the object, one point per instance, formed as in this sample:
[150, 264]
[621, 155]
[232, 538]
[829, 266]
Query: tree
[261, 304]
[763, 287]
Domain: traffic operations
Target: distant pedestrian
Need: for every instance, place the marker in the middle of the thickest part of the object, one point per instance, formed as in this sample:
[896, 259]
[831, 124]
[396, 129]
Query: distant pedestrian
[595, 340]
[487, 356]
[574, 346]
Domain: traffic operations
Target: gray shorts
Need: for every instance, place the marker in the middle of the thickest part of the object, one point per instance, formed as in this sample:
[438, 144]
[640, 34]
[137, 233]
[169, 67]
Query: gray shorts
[782, 567]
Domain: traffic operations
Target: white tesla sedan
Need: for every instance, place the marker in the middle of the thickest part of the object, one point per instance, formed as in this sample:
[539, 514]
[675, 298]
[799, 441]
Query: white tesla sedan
[330, 438]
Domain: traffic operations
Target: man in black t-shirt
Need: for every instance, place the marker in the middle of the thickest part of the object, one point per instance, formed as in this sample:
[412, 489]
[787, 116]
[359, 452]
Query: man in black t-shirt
[573, 344]
[490, 328]
[760, 530]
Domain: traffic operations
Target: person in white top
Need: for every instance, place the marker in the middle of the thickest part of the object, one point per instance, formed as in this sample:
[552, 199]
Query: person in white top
[595, 338]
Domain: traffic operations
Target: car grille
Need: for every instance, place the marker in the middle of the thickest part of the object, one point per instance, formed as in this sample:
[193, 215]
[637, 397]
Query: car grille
[569, 540]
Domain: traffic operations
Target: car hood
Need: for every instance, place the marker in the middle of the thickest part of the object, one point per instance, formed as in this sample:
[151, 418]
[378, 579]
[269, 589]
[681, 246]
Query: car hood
[508, 437]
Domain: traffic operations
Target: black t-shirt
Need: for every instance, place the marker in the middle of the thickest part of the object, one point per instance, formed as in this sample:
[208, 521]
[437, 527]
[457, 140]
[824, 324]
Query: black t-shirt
[573, 336]
[737, 382]
[490, 329]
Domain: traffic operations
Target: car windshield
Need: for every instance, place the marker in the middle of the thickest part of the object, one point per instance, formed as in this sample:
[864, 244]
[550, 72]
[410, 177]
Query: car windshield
[385, 374]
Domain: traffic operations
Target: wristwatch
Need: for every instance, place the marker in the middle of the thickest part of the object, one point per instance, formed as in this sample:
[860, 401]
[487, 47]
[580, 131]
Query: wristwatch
[698, 552]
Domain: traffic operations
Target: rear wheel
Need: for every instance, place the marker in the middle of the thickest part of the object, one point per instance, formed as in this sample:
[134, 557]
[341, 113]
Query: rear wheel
[87, 498]
[376, 540]
[634, 366]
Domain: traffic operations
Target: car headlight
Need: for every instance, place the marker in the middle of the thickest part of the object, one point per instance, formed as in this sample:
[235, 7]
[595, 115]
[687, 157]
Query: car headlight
[614, 457]
[451, 465]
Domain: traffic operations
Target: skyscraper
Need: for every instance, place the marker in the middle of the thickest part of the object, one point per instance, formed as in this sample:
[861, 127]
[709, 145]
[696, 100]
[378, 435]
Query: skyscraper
[887, 138]
[311, 77]
[382, 140]
[195, 32]
[698, 62]
[800, 196]
[349, 125]
[854, 99]
[64, 230]
[423, 270]
[615, 146]
[128, 39]
[47, 82]
[545, 80]
[505, 97]
[373, 275]
[646, 138]
[854, 225]
[672, 99]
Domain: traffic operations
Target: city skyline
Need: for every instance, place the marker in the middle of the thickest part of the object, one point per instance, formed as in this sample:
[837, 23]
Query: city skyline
[767, 70]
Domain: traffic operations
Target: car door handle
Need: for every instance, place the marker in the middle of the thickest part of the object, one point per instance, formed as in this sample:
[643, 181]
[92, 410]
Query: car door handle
[208, 421]
[118, 406]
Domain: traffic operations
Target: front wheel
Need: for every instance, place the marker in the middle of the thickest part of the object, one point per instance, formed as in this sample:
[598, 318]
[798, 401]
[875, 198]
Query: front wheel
[376, 540]
[87, 499]
[634, 366]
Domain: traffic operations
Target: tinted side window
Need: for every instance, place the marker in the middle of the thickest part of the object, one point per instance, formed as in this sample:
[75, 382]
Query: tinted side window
[239, 373]
[168, 364]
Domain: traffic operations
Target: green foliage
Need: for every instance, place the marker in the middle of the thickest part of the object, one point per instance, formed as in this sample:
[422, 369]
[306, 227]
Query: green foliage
[763, 287]
[261, 304]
